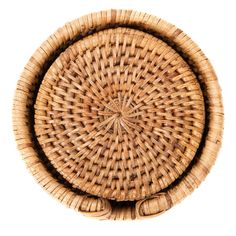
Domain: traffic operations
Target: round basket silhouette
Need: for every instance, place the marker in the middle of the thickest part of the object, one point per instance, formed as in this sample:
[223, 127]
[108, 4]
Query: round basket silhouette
[118, 115]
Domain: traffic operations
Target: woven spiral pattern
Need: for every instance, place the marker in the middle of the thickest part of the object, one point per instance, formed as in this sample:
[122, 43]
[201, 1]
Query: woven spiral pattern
[118, 115]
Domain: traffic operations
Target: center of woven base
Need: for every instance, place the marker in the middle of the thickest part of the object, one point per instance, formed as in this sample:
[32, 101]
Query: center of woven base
[119, 115]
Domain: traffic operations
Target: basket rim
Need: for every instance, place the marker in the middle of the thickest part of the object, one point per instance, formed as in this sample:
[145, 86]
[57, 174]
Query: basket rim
[80, 28]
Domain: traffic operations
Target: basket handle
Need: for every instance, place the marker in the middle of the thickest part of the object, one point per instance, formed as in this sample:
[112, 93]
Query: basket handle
[95, 207]
[153, 206]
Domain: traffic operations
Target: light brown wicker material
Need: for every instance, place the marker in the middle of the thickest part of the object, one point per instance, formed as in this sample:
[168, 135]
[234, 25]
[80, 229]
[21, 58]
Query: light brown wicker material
[118, 115]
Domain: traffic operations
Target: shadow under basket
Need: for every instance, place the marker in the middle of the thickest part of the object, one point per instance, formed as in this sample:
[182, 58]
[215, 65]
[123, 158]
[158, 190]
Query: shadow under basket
[118, 115]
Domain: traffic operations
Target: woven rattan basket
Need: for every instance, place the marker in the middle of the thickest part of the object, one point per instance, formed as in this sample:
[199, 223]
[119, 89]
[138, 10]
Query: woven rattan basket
[118, 115]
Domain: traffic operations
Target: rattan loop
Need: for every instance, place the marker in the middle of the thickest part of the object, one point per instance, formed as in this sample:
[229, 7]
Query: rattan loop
[153, 206]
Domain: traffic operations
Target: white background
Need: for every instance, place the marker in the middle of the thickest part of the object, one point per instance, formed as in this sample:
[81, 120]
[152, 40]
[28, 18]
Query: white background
[25, 209]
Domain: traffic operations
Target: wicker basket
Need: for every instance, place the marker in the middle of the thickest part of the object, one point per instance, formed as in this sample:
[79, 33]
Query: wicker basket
[118, 115]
